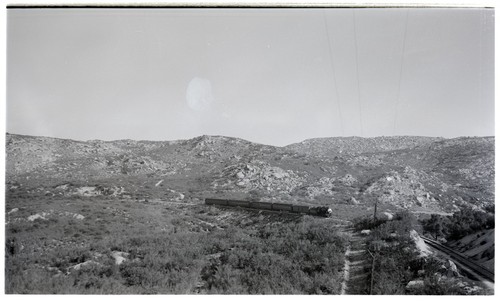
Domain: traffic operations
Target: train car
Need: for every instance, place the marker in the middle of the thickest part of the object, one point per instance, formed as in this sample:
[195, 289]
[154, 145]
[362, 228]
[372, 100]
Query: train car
[282, 207]
[300, 209]
[320, 211]
[261, 205]
[239, 203]
[216, 202]
[313, 211]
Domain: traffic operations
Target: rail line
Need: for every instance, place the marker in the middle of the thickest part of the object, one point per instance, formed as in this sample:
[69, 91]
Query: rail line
[476, 268]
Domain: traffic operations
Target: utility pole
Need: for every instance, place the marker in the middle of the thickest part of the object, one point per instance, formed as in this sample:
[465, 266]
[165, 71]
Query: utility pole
[373, 271]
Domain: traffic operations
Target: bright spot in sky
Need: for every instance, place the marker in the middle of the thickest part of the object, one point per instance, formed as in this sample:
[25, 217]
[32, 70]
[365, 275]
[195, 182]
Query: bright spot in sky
[199, 94]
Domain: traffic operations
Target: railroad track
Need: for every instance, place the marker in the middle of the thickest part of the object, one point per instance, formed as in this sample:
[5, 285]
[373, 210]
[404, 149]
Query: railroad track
[476, 268]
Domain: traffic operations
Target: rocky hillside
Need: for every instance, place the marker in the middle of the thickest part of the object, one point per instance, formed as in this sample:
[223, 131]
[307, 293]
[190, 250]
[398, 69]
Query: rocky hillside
[358, 145]
[419, 173]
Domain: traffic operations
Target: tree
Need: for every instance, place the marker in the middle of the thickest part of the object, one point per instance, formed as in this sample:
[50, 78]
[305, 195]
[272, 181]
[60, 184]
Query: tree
[434, 225]
[438, 229]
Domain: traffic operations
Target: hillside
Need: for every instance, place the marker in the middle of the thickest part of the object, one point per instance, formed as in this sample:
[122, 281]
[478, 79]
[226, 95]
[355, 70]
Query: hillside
[358, 145]
[128, 217]
[418, 173]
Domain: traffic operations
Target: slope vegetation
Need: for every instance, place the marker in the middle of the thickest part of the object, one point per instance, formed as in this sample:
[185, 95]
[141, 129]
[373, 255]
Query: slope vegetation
[417, 173]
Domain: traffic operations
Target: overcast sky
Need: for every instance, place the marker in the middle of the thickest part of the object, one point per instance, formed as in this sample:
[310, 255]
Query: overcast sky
[270, 76]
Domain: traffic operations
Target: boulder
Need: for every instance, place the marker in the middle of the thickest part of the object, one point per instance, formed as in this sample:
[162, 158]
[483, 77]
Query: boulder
[414, 284]
[34, 217]
[83, 264]
[119, 257]
[353, 201]
[420, 244]
[13, 210]
[78, 216]
[451, 269]
[388, 215]
[279, 175]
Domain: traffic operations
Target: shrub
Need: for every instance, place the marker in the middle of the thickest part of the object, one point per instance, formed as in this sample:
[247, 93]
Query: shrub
[460, 224]
[367, 222]
[287, 258]
[395, 259]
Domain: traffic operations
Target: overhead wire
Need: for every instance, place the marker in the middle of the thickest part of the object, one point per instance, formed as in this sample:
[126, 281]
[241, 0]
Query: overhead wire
[357, 71]
[332, 66]
[482, 27]
[398, 96]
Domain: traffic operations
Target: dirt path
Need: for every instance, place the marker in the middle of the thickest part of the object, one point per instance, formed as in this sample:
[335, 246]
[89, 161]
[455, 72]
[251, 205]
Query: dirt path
[346, 271]
[356, 266]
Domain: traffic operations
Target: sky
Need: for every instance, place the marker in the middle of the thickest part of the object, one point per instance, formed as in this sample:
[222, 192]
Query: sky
[272, 76]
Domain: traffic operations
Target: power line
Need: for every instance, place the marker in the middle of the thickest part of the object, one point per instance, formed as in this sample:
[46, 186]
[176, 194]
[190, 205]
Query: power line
[332, 66]
[400, 74]
[482, 28]
[357, 70]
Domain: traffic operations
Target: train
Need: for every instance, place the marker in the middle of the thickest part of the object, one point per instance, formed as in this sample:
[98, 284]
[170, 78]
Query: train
[283, 207]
